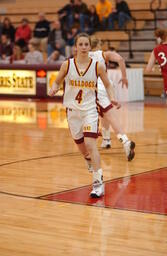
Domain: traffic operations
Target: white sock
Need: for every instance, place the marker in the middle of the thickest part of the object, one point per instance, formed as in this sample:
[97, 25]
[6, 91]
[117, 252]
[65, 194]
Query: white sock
[98, 176]
[122, 138]
[106, 134]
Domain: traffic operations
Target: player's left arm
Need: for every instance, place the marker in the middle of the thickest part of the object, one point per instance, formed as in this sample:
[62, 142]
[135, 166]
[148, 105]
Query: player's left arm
[114, 56]
[107, 83]
[151, 62]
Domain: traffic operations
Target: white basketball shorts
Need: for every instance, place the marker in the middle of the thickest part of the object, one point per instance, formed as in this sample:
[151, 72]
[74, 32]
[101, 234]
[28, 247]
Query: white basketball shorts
[104, 103]
[82, 124]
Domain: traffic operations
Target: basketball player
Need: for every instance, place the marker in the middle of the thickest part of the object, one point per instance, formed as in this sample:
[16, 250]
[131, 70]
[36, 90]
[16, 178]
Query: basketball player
[80, 77]
[159, 54]
[108, 114]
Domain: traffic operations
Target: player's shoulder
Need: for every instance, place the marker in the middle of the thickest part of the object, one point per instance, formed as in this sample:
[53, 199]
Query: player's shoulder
[100, 66]
[68, 62]
[95, 53]
[65, 66]
[160, 47]
[65, 63]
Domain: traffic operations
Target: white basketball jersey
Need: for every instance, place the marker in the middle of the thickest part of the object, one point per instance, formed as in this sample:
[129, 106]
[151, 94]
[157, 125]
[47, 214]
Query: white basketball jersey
[98, 56]
[80, 87]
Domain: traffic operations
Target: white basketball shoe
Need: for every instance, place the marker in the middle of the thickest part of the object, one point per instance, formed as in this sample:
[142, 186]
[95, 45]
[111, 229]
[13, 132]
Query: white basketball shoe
[106, 143]
[129, 147]
[98, 190]
[98, 186]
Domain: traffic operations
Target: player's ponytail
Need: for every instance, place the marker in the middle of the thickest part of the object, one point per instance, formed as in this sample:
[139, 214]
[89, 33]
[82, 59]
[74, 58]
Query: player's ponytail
[161, 33]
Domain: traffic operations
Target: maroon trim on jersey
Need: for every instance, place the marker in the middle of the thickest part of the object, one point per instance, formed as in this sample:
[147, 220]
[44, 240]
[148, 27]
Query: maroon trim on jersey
[64, 83]
[96, 69]
[107, 108]
[68, 66]
[64, 87]
[91, 135]
[79, 73]
[79, 141]
[88, 67]
[76, 67]
[96, 95]
[102, 110]
[98, 127]
[103, 56]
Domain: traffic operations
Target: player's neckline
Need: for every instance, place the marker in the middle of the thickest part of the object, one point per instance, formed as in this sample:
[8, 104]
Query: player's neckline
[82, 73]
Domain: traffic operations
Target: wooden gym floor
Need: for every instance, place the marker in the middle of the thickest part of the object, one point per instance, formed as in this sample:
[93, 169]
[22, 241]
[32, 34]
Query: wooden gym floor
[45, 209]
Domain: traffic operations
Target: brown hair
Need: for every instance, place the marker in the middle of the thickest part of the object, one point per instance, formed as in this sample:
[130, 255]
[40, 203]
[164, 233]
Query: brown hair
[162, 33]
[94, 42]
[35, 43]
[82, 35]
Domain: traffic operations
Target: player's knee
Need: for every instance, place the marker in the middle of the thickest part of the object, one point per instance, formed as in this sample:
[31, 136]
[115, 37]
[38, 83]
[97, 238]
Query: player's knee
[90, 144]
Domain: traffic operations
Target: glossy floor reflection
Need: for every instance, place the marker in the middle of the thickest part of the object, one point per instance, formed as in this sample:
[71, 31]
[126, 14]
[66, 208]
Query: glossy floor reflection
[45, 185]
[53, 114]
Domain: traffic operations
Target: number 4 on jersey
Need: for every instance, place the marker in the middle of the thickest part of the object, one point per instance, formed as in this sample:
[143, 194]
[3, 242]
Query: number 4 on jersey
[79, 96]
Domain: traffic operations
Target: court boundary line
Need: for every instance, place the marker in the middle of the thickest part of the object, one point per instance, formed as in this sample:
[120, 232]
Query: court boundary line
[102, 151]
[38, 158]
[80, 204]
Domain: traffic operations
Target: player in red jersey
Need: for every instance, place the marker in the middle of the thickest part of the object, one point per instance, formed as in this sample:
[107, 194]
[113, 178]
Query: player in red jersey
[159, 54]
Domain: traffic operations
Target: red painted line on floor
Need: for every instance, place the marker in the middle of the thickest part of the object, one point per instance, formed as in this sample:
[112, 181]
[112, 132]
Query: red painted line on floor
[145, 192]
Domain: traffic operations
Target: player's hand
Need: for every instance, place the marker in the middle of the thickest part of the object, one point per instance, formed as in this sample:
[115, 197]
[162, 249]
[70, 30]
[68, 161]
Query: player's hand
[124, 82]
[52, 91]
[116, 104]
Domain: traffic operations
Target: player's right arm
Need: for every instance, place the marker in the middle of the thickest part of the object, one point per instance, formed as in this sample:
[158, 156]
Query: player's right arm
[114, 56]
[59, 79]
[151, 62]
